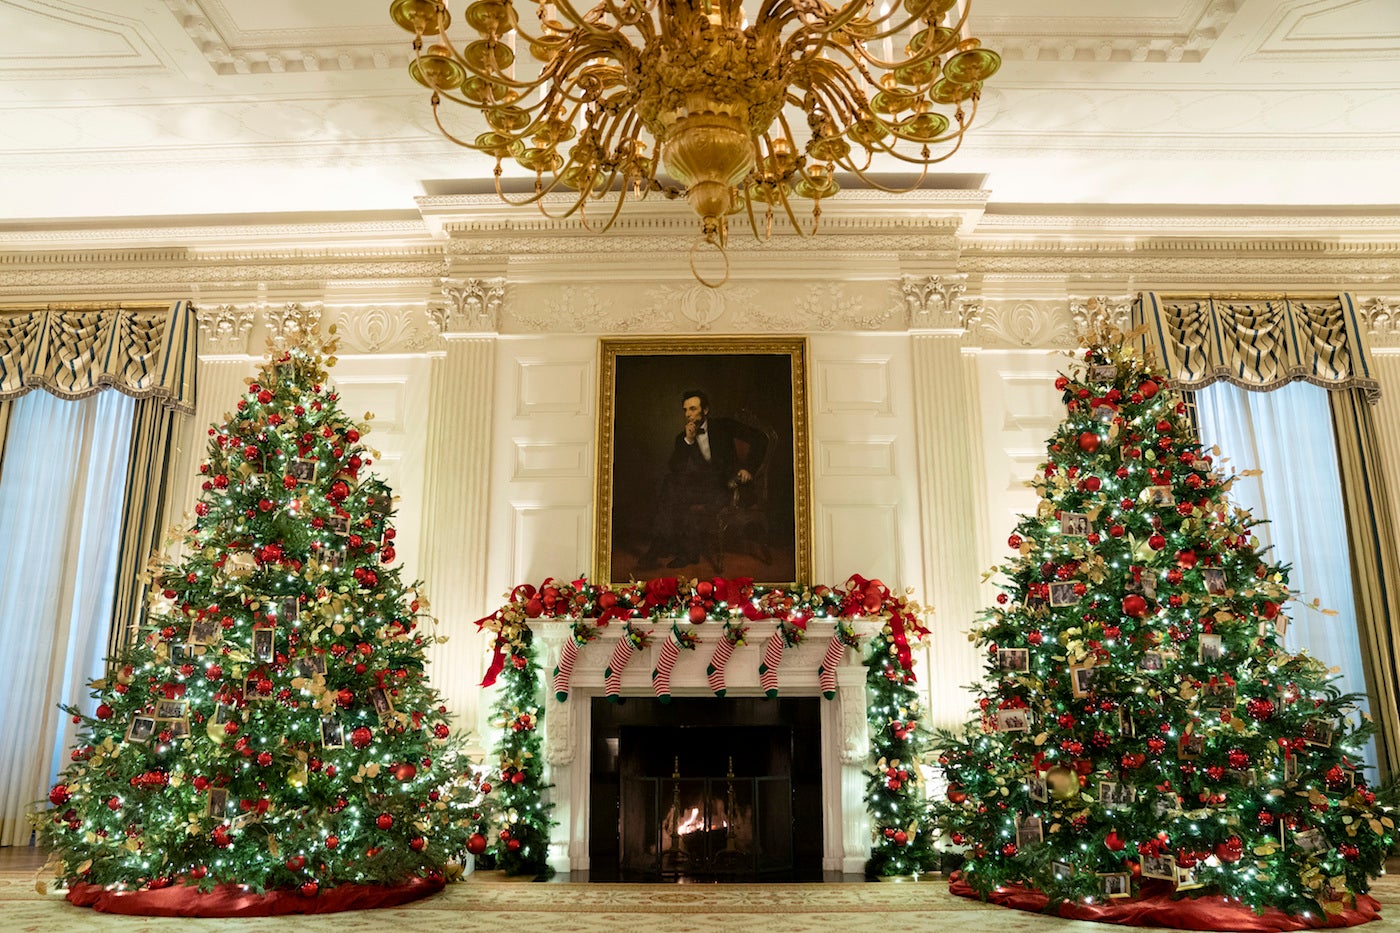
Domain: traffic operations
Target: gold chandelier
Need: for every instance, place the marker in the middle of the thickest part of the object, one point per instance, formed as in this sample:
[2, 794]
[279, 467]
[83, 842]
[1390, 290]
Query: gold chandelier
[697, 88]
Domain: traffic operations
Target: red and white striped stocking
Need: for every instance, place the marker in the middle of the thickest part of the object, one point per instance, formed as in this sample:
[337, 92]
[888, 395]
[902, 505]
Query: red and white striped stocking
[612, 674]
[768, 670]
[564, 671]
[826, 674]
[723, 651]
[665, 662]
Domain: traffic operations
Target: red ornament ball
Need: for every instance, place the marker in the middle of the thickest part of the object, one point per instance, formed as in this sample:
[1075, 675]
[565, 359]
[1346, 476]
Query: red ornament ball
[900, 837]
[513, 845]
[384, 820]
[405, 772]
[310, 888]
[104, 711]
[1259, 709]
[1156, 542]
[1134, 606]
[264, 758]
[1113, 841]
[332, 841]
[417, 843]
[361, 737]
[476, 844]
[1147, 389]
[1089, 442]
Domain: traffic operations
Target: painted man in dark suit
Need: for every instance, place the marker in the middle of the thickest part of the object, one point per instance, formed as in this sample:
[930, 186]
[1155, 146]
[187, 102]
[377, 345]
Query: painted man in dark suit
[711, 457]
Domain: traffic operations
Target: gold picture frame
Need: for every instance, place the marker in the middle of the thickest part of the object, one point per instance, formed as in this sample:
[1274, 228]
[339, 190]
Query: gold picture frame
[658, 509]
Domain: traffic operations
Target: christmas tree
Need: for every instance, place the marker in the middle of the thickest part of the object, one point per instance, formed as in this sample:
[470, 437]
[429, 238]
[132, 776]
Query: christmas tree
[894, 792]
[270, 724]
[1141, 728]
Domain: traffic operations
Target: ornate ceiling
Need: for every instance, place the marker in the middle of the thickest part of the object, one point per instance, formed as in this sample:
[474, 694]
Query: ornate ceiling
[224, 108]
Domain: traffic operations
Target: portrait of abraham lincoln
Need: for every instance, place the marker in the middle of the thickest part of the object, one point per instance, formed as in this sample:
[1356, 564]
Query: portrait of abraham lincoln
[702, 460]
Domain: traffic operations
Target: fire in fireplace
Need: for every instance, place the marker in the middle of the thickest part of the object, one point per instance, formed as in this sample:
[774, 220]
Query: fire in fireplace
[709, 797]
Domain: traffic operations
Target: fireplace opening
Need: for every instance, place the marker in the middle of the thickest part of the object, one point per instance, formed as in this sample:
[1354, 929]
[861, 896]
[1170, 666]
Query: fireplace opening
[706, 790]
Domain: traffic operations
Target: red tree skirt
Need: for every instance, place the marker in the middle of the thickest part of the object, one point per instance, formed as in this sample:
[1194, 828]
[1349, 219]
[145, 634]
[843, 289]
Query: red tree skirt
[230, 900]
[1211, 912]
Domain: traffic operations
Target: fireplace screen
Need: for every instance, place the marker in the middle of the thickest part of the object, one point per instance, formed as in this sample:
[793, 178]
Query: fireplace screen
[706, 828]
[706, 790]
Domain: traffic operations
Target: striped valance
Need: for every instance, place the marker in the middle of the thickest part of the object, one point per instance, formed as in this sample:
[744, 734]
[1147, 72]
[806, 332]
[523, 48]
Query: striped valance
[1257, 343]
[141, 352]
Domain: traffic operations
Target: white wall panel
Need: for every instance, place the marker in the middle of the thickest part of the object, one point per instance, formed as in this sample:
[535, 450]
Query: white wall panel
[542, 454]
[545, 541]
[1020, 408]
[863, 469]
[395, 390]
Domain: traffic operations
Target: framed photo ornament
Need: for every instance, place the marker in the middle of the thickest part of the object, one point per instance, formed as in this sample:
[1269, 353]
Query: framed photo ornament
[703, 459]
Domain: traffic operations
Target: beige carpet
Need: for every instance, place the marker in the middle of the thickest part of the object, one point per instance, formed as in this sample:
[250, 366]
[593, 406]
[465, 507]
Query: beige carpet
[485, 904]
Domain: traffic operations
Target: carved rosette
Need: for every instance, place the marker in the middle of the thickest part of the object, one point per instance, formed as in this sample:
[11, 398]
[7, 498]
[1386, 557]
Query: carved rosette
[469, 306]
[224, 329]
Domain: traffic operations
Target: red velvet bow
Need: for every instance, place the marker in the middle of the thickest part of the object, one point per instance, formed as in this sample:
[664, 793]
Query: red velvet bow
[658, 592]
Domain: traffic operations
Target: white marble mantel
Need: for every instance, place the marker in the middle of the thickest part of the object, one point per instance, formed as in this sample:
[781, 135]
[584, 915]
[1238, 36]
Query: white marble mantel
[845, 741]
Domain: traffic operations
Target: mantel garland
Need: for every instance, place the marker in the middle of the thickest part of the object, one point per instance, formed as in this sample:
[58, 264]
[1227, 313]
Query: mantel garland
[726, 607]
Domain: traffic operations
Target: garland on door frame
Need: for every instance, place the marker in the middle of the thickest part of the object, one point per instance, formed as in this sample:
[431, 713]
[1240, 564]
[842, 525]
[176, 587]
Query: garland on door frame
[728, 608]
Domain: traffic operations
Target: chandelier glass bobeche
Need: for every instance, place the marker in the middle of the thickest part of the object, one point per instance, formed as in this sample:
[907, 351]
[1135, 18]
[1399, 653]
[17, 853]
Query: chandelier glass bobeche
[703, 92]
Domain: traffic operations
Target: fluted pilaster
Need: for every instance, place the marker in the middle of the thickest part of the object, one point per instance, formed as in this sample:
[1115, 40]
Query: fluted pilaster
[950, 486]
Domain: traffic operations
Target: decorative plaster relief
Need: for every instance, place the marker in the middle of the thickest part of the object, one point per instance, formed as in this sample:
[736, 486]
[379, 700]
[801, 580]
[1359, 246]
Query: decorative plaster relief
[1024, 324]
[224, 328]
[286, 324]
[1097, 314]
[473, 306]
[1382, 317]
[934, 301]
[384, 329]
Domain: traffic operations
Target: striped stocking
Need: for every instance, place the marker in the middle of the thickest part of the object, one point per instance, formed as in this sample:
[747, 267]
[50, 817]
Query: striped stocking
[665, 662]
[768, 670]
[826, 674]
[612, 674]
[723, 651]
[565, 669]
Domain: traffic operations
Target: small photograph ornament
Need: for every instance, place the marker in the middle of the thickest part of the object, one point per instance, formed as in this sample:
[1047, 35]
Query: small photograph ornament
[1075, 524]
[172, 709]
[1103, 373]
[217, 805]
[265, 643]
[1029, 832]
[332, 732]
[1037, 788]
[1159, 496]
[1014, 660]
[204, 631]
[1063, 594]
[1218, 696]
[1062, 872]
[141, 729]
[338, 525]
[1013, 720]
[303, 471]
[1319, 732]
[1116, 884]
[1081, 678]
[1211, 648]
[1186, 879]
[1214, 581]
[1161, 867]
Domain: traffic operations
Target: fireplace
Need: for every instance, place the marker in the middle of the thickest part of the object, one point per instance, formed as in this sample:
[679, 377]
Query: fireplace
[706, 790]
[798, 757]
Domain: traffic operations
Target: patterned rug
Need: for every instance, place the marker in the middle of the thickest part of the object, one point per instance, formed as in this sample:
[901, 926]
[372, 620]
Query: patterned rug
[486, 903]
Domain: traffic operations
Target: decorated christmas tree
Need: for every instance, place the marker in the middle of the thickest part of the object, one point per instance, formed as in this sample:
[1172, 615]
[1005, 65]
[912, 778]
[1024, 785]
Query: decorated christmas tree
[1141, 730]
[270, 725]
[894, 796]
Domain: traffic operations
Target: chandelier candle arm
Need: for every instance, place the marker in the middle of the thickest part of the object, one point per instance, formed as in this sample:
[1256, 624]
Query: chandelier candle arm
[687, 97]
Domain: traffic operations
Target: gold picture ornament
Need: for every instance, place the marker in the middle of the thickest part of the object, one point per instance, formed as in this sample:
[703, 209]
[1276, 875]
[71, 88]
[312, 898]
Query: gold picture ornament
[597, 102]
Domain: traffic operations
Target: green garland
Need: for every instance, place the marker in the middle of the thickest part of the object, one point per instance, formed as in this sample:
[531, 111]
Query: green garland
[518, 843]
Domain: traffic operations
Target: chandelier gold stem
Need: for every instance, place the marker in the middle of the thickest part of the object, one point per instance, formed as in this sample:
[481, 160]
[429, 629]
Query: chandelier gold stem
[688, 97]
